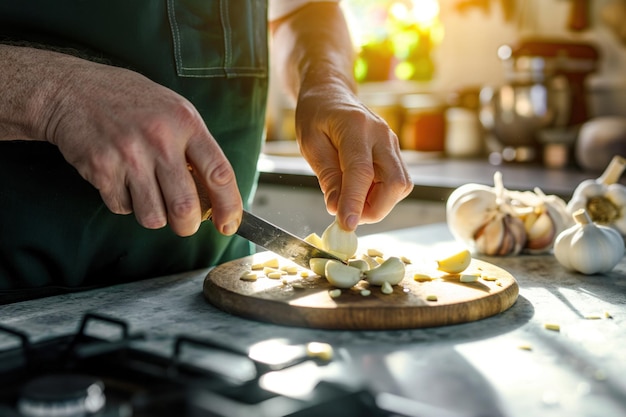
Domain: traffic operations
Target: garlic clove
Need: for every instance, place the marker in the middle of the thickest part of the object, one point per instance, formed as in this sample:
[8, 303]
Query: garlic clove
[341, 275]
[501, 236]
[391, 271]
[318, 265]
[360, 264]
[455, 263]
[489, 237]
[340, 242]
[541, 232]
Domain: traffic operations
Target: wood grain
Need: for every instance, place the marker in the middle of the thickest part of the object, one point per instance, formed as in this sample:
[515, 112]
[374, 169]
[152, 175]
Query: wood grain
[305, 302]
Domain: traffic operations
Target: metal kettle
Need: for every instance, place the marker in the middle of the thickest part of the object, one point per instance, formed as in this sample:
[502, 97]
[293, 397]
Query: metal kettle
[544, 90]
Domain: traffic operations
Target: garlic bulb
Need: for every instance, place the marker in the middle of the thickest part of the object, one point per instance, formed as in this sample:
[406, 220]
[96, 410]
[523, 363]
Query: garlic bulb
[482, 218]
[496, 221]
[587, 247]
[603, 198]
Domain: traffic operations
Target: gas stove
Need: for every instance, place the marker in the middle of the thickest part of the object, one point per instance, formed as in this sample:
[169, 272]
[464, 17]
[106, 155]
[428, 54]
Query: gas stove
[83, 374]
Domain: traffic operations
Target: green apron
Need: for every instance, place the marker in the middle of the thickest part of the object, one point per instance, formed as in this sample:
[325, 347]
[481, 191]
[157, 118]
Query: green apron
[56, 235]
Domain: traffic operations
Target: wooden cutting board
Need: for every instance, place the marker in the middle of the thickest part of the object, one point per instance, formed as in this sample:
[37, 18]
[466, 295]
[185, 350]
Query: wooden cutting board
[306, 302]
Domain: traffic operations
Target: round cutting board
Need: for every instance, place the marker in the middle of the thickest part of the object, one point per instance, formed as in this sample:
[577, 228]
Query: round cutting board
[306, 301]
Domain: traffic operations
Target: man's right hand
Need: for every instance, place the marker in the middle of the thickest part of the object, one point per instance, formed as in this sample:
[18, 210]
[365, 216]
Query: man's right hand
[139, 143]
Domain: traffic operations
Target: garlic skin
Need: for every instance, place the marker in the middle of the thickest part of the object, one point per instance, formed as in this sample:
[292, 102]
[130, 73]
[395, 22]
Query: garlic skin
[603, 198]
[587, 247]
[502, 235]
[339, 242]
[391, 271]
[467, 209]
[544, 217]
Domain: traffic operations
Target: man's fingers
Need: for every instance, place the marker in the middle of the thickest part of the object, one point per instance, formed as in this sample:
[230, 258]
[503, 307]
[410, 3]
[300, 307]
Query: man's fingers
[147, 201]
[216, 174]
[181, 198]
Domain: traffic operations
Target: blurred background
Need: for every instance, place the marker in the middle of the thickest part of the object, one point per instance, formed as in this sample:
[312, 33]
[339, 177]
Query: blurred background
[499, 80]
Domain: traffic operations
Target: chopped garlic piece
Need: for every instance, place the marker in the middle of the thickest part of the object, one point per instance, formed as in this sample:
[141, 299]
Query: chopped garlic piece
[552, 326]
[318, 350]
[290, 269]
[405, 260]
[257, 267]
[272, 263]
[248, 276]
[380, 259]
[608, 315]
[422, 277]
[275, 275]
[489, 277]
[374, 253]
[269, 270]
[304, 274]
[334, 293]
[431, 297]
[386, 288]
[525, 346]
[468, 278]
[593, 317]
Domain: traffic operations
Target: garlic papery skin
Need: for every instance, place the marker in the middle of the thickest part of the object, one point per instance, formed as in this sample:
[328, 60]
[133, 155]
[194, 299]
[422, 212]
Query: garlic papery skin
[391, 271]
[544, 217]
[604, 198]
[467, 209]
[339, 242]
[587, 247]
[502, 235]
[341, 275]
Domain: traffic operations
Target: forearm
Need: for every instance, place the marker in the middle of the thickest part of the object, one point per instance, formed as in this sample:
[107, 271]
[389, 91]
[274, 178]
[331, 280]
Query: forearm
[312, 47]
[31, 85]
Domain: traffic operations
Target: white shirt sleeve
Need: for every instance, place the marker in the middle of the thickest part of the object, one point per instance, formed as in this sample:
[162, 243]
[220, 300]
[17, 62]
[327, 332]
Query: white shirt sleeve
[280, 8]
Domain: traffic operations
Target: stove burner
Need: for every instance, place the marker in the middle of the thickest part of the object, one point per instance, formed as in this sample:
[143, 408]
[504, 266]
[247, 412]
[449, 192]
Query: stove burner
[62, 395]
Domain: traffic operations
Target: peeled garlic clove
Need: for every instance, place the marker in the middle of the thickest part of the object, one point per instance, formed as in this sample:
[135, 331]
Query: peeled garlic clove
[318, 265]
[455, 263]
[360, 264]
[391, 271]
[340, 242]
[341, 275]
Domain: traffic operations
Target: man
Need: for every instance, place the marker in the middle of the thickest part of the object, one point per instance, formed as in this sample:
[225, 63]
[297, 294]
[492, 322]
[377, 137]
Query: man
[111, 107]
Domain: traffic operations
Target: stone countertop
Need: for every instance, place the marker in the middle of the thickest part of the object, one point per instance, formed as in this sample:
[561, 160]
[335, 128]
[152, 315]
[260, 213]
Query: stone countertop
[435, 178]
[471, 369]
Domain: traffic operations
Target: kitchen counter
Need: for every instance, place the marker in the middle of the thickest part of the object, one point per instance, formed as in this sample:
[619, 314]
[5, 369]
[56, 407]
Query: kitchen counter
[505, 365]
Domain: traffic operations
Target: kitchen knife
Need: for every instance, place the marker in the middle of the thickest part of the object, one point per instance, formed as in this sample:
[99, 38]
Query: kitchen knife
[279, 241]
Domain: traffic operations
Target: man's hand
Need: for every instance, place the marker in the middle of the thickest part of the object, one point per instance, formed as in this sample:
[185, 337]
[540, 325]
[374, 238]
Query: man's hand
[354, 154]
[140, 144]
[352, 151]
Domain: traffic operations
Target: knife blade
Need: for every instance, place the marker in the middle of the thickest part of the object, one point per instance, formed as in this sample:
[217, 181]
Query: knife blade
[278, 240]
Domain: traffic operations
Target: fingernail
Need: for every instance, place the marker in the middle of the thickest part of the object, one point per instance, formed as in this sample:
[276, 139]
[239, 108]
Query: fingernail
[332, 197]
[352, 222]
[230, 228]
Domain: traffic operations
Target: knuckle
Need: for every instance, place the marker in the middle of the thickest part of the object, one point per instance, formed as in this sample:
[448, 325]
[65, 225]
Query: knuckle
[221, 173]
[183, 206]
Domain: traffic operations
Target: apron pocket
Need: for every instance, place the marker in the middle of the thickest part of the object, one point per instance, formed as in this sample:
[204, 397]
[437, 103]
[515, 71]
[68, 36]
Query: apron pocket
[219, 38]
